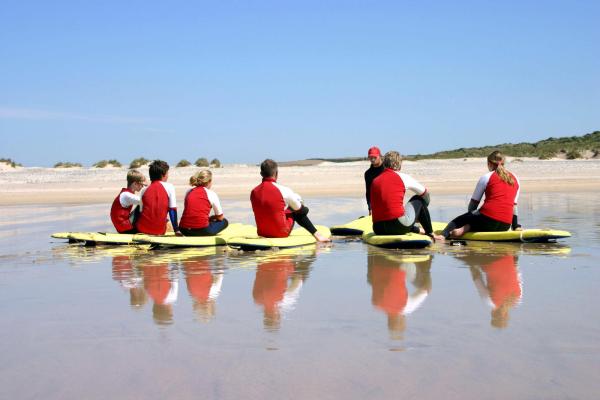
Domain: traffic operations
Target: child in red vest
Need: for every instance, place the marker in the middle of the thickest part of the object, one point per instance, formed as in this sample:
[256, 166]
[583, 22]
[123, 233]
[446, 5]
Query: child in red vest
[120, 212]
[199, 201]
[157, 201]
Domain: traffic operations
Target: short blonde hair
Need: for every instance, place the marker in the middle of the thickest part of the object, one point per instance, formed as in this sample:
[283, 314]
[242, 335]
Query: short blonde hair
[135, 176]
[201, 178]
[393, 160]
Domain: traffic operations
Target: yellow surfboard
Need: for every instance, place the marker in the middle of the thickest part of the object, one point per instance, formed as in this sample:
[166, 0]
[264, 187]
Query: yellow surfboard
[298, 237]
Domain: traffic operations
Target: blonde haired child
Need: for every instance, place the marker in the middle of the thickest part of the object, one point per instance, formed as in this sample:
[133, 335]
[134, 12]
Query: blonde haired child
[199, 201]
[120, 212]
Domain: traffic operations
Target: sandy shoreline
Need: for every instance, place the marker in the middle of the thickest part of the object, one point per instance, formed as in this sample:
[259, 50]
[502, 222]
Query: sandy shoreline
[89, 185]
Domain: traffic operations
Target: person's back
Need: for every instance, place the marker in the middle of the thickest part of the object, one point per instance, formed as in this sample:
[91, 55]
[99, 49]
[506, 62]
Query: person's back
[499, 197]
[269, 207]
[158, 202]
[387, 196]
[277, 207]
[199, 201]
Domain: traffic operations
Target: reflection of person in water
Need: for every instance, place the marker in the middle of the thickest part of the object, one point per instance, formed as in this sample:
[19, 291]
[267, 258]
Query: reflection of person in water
[387, 274]
[279, 278]
[203, 284]
[498, 282]
[123, 271]
[161, 284]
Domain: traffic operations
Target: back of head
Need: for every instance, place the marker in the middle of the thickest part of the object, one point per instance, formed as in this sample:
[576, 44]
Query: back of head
[496, 158]
[134, 176]
[201, 178]
[158, 169]
[393, 160]
[268, 168]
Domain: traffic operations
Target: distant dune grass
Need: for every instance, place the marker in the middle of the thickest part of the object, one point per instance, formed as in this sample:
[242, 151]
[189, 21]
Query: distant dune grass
[10, 162]
[570, 148]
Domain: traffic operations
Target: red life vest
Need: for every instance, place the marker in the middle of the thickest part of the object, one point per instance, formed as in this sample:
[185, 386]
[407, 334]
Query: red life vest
[153, 218]
[119, 215]
[272, 218]
[387, 196]
[197, 209]
[499, 199]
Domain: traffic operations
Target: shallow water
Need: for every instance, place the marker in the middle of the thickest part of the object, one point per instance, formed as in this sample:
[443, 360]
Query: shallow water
[489, 321]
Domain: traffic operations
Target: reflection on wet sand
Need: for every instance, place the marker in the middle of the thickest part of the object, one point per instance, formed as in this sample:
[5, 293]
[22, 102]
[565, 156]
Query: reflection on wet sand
[388, 272]
[204, 279]
[496, 276]
[124, 272]
[279, 279]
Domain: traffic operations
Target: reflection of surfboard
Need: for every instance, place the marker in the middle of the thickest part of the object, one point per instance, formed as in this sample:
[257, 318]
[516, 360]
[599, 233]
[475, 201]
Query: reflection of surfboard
[93, 238]
[525, 236]
[197, 241]
[353, 228]
[407, 241]
[298, 237]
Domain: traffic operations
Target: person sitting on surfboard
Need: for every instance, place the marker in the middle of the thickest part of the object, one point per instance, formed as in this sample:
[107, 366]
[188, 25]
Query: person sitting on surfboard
[158, 201]
[373, 172]
[499, 210]
[199, 200]
[390, 215]
[277, 207]
[120, 212]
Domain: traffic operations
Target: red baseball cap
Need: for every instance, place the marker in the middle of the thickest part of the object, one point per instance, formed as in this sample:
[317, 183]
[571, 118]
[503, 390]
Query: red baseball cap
[374, 152]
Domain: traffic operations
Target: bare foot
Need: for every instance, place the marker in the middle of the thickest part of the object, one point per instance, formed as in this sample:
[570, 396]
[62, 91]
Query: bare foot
[439, 238]
[456, 233]
[321, 238]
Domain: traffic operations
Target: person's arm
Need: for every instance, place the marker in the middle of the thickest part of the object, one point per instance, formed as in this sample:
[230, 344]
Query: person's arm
[368, 190]
[172, 206]
[415, 186]
[479, 192]
[215, 203]
[515, 220]
[129, 199]
[291, 199]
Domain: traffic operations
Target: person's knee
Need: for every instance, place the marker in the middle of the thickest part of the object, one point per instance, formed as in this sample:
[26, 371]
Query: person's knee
[301, 211]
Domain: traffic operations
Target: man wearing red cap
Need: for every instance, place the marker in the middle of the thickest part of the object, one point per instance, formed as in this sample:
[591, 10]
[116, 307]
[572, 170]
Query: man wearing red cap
[373, 172]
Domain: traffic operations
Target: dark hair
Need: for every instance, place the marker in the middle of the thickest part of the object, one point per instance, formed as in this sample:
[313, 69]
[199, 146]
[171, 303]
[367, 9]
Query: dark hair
[268, 168]
[158, 169]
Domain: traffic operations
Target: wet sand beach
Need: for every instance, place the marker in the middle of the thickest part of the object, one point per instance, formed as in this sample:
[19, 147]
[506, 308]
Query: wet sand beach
[482, 321]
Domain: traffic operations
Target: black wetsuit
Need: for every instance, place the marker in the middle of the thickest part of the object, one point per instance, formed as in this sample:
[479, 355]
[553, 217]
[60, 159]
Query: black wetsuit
[370, 175]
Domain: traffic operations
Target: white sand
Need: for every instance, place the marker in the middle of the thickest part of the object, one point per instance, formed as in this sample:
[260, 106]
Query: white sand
[101, 185]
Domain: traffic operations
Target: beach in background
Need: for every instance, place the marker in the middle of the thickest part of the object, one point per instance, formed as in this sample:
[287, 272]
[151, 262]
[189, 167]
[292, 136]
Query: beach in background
[457, 176]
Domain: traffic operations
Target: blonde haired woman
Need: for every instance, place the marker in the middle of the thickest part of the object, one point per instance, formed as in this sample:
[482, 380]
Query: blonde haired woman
[199, 201]
[499, 210]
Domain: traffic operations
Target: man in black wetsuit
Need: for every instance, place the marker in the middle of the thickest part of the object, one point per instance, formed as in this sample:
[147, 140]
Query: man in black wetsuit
[373, 172]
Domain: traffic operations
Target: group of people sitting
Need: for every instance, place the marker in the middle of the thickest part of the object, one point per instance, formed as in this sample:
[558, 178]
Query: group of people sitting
[386, 187]
[277, 208]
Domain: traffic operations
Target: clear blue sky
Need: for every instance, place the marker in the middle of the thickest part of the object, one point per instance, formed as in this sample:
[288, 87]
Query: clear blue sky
[246, 80]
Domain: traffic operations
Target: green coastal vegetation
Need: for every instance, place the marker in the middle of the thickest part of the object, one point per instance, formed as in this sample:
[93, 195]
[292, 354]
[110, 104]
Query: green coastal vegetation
[183, 163]
[106, 163]
[138, 162]
[10, 162]
[67, 164]
[571, 148]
